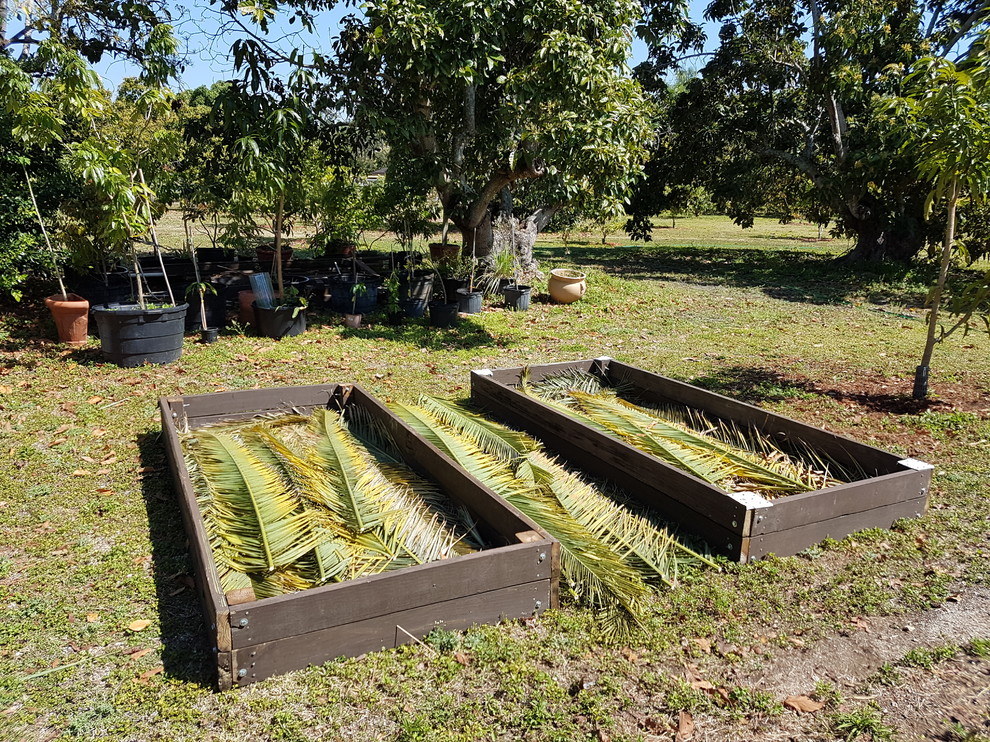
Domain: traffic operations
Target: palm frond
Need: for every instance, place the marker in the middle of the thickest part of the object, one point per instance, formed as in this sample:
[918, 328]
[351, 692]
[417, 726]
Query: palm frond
[259, 523]
[745, 466]
[490, 437]
[672, 445]
[356, 487]
[593, 573]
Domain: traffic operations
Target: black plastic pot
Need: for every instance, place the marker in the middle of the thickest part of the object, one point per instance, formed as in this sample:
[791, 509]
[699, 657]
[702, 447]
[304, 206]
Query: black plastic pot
[216, 312]
[517, 297]
[469, 302]
[131, 336]
[279, 322]
[415, 293]
[210, 335]
[452, 285]
[443, 315]
[342, 300]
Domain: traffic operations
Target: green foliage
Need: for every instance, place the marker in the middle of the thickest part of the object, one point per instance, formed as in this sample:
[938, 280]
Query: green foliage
[531, 87]
[927, 658]
[782, 121]
[865, 720]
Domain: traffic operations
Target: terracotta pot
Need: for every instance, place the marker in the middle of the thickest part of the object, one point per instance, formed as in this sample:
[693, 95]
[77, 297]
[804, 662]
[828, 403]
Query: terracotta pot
[71, 316]
[266, 255]
[245, 310]
[566, 285]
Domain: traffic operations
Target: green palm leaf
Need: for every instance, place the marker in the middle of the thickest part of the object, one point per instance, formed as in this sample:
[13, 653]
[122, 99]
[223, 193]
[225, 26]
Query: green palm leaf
[490, 437]
[744, 466]
[591, 571]
[357, 489]
[675, 449]
[259, 524]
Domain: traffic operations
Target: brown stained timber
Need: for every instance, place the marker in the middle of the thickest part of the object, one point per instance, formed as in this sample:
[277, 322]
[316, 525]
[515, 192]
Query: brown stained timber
[738, 526]
[254, 639]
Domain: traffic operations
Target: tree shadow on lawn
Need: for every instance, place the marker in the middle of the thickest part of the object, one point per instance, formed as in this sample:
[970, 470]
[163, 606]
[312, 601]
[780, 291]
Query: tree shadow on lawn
[187, 652]
[792, 275]
[755, 384]
[465, 335]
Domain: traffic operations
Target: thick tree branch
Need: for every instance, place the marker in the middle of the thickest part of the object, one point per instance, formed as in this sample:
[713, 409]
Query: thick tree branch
[502, 178]
[800, 163]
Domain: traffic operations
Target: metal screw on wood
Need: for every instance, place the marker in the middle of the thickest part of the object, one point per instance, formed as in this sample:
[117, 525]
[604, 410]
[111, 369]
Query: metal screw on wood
[242, 623]
[735, 524]
[541, 557]
[242, 673]
[539, 604]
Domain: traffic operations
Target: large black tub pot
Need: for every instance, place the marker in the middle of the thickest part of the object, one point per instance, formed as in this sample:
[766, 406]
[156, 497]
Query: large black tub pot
[131, 336]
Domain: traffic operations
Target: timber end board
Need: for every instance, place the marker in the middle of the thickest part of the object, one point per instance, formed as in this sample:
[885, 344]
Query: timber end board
[254, 639]
[740, 526]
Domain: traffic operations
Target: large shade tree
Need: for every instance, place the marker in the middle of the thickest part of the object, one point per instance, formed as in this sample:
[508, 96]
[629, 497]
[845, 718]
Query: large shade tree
[788, 94]
[499, 102]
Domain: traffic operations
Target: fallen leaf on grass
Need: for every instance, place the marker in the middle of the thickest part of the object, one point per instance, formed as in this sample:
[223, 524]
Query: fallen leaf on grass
[703, 644]
[138, 654]
[685, 727]
[94, 400]
[57, 442]
[98, 432]
[803, 704]
[5, 389]
[102, 471]
[92, 617]
[630, 655]
[104, 491]
[139, 625]
[88, 459]
[146, 470]
[81, 473]
[147, 675]
[464, 659]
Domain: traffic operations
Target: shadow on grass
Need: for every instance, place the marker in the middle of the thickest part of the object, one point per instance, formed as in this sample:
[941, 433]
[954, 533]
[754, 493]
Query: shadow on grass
[757, 384]
[465, 335]
[792, 275]
[187, 653]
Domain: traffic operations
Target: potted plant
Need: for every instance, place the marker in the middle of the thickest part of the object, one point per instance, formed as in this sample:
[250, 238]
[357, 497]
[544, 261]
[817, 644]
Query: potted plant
[70, 311]
[277, 315]
[443, 310]
[469, 298]
[516, 295]
[353, 319]
[144, 331]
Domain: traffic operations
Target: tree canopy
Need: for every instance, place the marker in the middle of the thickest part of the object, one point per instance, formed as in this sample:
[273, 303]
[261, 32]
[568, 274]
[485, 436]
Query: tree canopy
[781, 119]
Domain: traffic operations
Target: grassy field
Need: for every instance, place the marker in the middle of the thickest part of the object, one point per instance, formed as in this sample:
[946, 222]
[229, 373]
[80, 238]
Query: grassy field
[92, 541]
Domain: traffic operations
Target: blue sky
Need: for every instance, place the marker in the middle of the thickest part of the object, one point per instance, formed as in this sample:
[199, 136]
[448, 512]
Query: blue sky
[207, 55]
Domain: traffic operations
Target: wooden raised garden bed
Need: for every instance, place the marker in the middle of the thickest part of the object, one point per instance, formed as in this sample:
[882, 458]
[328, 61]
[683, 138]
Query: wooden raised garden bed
[744, 525]
[516, 577]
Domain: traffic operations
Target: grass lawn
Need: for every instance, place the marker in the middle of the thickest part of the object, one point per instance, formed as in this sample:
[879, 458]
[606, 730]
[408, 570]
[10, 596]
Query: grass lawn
[101, 635]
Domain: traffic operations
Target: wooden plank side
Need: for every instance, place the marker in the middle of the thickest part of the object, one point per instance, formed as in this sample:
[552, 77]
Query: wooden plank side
[425, 458]
[664, 390]
[207, 581]
[372, 634]
[844, 499]
[256, 401]
[378, 595]
[513, 376]
[606, 456]
[794, 540]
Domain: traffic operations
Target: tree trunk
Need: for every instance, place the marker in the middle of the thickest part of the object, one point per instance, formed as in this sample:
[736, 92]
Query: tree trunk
[480, 237]
[921, 372]
[876, 242]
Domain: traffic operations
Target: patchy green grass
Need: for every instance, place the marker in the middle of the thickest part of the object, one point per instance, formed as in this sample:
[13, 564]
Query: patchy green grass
[92, 539]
